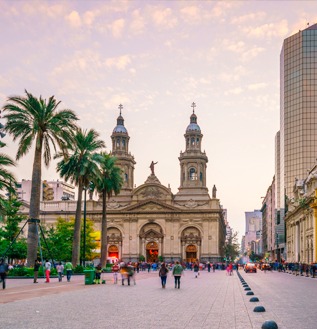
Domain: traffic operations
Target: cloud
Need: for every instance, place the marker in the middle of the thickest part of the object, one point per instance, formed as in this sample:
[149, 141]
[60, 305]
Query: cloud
[270, 30]
[164, 18]
[191, 14]
[234, 91]
[245, 51]
[248, 17]
[120, 62]
[117, 27]
[89, 18]
[74, 19]
[138, 24]
[235, 75]
[257, 86]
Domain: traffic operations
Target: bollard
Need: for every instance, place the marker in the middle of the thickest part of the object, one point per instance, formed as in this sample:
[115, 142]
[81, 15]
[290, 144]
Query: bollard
[250, 293]
[269, 325]
[246, 289]
[254, 299]
[259, 309]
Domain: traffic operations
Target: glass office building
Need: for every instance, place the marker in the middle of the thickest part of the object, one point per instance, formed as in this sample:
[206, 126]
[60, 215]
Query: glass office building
[298, 113]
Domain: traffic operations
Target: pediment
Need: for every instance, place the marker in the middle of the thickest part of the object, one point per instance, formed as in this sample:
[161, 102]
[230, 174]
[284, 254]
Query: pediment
[152, 191]
[152, 206]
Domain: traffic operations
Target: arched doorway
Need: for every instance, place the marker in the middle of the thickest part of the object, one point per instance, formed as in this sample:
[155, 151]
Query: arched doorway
[152, 250]
[151, 242]
[113, 253]
[191, 253]
[191, 242]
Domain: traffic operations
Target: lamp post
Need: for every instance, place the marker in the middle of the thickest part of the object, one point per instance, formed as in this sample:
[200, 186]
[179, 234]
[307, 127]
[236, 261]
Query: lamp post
[85, 212]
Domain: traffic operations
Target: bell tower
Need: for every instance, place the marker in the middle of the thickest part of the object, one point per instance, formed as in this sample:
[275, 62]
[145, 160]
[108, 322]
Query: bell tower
[120, 149]
[193, 162]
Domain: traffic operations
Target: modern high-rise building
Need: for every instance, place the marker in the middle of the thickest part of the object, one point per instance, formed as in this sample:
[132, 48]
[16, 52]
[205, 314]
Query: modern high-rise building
[298, 117]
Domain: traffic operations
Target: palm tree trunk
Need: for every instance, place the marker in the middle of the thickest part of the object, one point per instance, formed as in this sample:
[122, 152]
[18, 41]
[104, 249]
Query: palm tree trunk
[104, 242]
[77, 227]
[32, 239]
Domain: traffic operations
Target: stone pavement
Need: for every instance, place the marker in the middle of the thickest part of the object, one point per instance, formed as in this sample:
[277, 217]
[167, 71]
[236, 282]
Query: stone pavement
[213, 300]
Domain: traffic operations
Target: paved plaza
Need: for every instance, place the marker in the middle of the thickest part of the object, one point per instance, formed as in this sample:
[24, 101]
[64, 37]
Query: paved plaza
[213, 300]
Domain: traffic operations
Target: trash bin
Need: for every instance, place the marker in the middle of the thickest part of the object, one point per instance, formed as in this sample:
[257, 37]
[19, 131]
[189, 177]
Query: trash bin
[89, 276]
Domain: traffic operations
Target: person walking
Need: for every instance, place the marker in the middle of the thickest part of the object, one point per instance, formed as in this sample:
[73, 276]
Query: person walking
[177, 272]
[60, 271]
[4, 268]
[209, 267]
[37, 265]
[69, 270]
[48, 266]
[115, 271]
[163, 274]
[196, 269]
[98, 273]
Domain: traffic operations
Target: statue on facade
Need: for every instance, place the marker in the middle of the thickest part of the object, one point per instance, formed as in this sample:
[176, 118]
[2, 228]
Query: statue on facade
[214, 192]
[152, 166]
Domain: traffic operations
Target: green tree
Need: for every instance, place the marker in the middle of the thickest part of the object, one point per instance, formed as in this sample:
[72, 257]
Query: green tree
[11, 229]
[232, 247]
[81, 167]
[7, 179]
[109, 181]
[37, 121]
[59, 240]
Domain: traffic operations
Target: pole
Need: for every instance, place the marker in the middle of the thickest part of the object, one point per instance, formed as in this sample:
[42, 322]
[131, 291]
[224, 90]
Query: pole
[85, 211]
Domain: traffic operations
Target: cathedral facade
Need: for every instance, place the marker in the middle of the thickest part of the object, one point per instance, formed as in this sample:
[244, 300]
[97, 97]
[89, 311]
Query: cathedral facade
[149, 220]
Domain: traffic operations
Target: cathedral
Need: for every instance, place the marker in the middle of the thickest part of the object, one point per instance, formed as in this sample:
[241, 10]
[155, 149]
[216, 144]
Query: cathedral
[149, 221]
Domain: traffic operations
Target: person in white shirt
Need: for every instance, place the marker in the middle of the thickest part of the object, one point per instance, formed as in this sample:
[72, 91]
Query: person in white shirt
[60, 271]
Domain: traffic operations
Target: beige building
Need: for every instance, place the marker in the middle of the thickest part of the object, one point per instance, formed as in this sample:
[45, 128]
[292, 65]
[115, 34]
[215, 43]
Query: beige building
[150, 220]
[301, 220]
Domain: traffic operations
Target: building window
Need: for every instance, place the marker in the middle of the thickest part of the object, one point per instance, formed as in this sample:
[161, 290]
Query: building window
[126, 177]
[193, 141]
[192, 174]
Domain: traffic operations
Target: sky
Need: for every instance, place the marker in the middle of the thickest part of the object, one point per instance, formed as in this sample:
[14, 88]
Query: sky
[156, 58]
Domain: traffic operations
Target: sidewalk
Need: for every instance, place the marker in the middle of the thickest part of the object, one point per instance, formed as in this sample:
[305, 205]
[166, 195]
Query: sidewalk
[213, 300]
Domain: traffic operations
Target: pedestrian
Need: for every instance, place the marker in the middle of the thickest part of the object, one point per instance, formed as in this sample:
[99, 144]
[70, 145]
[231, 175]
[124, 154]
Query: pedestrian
[196, 269]
[48, 266]
[60, 271]
[69, 270]
[230, 269]
[37, 265]
[214, 267]
[209, 266]
[98, 273]
[115, 271]
[163, 274]
[124, 273]
[4, 268]
[177, 272]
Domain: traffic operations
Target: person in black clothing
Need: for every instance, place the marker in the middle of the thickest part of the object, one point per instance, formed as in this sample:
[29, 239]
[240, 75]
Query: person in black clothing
[4, 268]
[163, 274]
[37, 265]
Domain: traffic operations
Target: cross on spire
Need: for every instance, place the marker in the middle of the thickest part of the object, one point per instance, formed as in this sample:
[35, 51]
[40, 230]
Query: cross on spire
[120, 107]
[193, 106]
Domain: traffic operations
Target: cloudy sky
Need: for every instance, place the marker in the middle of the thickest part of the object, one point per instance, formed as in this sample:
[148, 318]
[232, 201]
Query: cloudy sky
[156, 58]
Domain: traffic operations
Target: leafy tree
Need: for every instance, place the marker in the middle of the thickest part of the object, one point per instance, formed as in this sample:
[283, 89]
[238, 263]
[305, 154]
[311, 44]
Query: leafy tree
[108, 182]
[59, 240]
[37, 121]
[81, 167]
[11, 229]
[7, 179]
[232, 247]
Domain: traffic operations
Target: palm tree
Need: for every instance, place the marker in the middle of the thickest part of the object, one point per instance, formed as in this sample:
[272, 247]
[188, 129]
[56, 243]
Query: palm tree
[37, 121]
[110, 181]
[80, 167]
[7, 179]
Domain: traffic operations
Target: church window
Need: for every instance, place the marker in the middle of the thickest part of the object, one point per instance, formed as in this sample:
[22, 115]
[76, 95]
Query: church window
[123, 143]
[118, 142]
[192, 174]
[201, 176]
[126, 177]
[187, 142]
[193, 141]
[197, 141]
